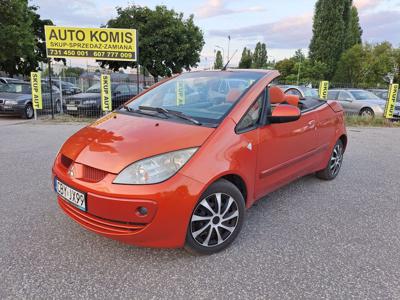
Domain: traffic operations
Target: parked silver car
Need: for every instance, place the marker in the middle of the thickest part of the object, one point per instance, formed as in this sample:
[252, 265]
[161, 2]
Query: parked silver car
[359, 102]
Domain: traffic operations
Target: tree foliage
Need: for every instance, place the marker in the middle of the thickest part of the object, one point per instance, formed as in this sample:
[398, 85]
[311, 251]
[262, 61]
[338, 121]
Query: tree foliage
[219, 62]
[368, 64]
[246, 60]
[260, 56]
[16, 35]
[168, 43]
[336, 28]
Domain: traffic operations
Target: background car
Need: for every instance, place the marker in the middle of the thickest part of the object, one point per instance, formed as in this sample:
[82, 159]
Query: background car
[358, 102]
[301, 91]
[67, 88]
[383, 94]
[89, 103]
[16, 99]
[5, 80]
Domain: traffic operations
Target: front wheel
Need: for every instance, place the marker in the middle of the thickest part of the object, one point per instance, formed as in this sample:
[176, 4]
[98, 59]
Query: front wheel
[216, 220]
[367, 112]
[334, 164]
[28, 111]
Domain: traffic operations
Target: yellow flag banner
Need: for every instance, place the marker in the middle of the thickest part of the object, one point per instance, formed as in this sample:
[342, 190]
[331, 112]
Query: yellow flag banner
[105, 85]
[180, 93]
[36, 85]
[323, 90]
[391, 101]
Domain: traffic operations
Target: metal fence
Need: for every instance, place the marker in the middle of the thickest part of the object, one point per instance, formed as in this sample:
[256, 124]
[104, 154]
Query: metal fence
[80, 98]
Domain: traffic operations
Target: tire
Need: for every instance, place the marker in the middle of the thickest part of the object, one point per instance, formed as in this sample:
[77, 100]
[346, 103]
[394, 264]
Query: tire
[212, 227]
[28, 111]
[367, 112]
[335, 163]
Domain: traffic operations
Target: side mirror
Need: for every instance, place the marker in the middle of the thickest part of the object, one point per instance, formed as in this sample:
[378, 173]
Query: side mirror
[349, 100]
[117, 93]
[284, 114]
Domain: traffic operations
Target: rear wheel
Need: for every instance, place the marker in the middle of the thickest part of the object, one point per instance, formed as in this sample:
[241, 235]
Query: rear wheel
[367, 112]
[28, 111]
[216, 220]
[334, 164]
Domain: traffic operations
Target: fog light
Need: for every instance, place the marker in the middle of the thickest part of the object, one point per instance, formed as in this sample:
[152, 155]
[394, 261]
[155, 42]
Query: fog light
[142, 211]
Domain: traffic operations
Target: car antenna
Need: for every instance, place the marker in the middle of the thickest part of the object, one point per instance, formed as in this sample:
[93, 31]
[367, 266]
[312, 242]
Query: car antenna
[224, 68]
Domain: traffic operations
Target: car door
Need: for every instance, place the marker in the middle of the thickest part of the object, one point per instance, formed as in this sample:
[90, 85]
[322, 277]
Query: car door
[286, 151]
[46, 96]
[347, 101]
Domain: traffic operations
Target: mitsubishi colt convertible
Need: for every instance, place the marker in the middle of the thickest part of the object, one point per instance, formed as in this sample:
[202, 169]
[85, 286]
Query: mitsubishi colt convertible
[179, 164]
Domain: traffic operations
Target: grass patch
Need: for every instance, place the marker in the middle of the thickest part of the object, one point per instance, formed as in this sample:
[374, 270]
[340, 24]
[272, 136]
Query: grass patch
[358, 121]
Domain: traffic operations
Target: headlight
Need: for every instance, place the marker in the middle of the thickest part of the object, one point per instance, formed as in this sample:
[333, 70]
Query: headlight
[155, 169]
[11, 102]
[90, 102]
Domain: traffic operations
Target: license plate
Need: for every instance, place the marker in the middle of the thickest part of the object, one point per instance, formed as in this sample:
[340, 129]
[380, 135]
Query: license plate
[70, 107]
[71, 195]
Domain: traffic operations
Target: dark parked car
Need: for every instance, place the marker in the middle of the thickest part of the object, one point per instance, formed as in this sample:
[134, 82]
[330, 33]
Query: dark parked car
[67, 88]
[16, 99]
[89, 103]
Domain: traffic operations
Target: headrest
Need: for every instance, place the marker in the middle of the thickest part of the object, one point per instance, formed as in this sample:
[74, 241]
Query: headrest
[276, 95]
[292, 100]
[233, 95]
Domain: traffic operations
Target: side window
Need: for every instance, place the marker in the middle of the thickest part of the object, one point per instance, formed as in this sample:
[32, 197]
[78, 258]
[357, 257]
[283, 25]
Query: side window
[344, 96]
[123, 89]
[252, 117]
[45, 88]
[333, 95]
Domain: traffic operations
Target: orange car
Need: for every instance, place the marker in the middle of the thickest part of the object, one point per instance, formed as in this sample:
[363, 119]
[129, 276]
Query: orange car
[178, 165]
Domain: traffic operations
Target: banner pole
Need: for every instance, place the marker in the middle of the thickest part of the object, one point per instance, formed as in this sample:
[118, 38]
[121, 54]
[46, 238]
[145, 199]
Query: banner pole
[51, 91]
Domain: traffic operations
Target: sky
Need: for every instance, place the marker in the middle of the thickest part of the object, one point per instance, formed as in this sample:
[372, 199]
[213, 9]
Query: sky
[284, 25]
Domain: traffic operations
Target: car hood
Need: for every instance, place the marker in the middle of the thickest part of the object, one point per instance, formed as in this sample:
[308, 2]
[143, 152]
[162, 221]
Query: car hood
[15, 96]
[117, 140]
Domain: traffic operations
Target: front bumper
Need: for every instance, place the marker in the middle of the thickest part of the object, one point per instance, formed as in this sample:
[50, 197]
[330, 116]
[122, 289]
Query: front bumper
[14, 109]
[112, 210]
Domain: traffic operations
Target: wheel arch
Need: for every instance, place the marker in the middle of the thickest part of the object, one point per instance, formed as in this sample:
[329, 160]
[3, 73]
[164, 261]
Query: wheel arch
[237, 181]
[344, 140]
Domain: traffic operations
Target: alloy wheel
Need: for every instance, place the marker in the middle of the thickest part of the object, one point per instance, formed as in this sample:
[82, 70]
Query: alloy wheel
[29, 112]
[214, 219]
[336, 159]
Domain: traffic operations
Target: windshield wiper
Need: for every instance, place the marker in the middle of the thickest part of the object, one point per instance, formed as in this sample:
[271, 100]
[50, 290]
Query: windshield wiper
[139, 111]
[167, 112]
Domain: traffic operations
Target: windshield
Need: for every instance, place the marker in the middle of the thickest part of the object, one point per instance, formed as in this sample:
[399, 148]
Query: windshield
[364, 95]
[16, 88]
[94, 89]
[205, 96]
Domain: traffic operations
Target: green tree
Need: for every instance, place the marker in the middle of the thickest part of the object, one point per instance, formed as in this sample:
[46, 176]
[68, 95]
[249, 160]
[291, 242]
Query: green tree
[354, 31]
[16, 35]
[286, 67]
[219, 63]
[246, 60]
[168, 43]
[331, 21]
[350, 68]
[260, 56]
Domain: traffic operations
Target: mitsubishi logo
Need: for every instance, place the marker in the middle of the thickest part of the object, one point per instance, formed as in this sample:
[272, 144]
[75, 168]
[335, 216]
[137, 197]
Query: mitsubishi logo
[71, 171]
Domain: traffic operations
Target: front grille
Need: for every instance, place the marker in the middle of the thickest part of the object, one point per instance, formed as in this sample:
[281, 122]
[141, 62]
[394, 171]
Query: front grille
[98, 224]
[92, 174]
[66, 161]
